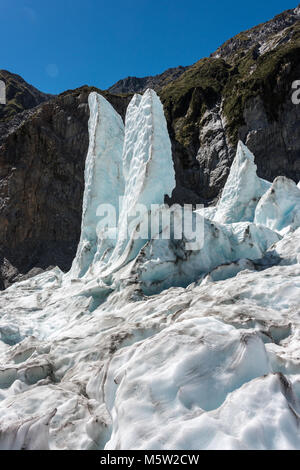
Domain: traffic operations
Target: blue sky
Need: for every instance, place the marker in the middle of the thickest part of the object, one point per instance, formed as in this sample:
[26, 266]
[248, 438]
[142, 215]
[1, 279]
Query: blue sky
[62, 44]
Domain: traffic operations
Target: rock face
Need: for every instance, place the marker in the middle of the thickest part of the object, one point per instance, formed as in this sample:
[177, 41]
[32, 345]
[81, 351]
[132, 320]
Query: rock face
[242, 92]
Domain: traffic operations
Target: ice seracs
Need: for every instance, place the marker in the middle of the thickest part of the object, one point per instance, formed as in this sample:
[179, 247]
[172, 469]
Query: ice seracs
[165, 263]
[137, 171]
[286, 251]
[147, 343]
[103, 171]
[279, 208]
[148, 171]
[242, 190]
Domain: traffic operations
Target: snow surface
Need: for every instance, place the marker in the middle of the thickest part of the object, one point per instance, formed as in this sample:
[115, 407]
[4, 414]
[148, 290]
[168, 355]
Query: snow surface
[154, 345]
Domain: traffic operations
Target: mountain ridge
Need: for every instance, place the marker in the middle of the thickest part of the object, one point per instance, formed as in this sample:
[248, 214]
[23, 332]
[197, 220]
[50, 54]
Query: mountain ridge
[132, 84]
[20, 95]
[139, 85]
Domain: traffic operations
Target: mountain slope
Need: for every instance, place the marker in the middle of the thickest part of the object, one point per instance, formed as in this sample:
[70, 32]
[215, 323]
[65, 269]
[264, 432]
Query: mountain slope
[139, 85]
[264, 37]
[19, 95]
[241, 92]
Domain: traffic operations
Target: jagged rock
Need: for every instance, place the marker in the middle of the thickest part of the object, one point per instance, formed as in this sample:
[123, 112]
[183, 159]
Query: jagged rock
[139, 85]
[237, 95]
[264, 36]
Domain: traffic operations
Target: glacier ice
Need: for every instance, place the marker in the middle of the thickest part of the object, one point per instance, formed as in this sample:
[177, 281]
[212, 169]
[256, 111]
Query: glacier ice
[168, 394]
[279, 208]
[136, 155]
[228, 270]
[165, 263]
[147, 153]
[146, 344]
[103, 171]
[287, 250]
[242, 190]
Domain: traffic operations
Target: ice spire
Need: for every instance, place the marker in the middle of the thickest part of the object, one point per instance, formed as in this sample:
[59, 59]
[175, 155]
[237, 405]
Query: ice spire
[242, 190]
[104, 181]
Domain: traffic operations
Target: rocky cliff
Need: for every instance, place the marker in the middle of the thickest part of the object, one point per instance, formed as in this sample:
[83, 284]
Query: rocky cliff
[242, 91]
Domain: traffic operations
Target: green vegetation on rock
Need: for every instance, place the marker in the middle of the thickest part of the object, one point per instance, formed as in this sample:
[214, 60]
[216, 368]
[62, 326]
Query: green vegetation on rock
[214, 81]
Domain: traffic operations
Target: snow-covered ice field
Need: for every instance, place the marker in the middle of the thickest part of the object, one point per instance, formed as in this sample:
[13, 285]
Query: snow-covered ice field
[145, 344]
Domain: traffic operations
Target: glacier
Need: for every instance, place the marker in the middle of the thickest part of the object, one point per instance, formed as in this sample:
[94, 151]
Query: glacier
[152, 343]
[103, 164]
[279, 208]
[242, 190]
